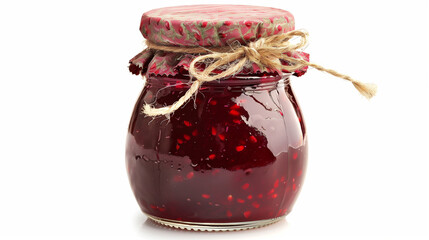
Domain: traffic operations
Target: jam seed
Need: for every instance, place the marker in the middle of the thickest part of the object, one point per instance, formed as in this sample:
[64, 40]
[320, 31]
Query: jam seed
[255, 205]
[246, 214]
[271, 191]
[276, 183]
[187, 137]
[260, 195]
[187, 123]
[177, 147]
[212, 156]
[221, 137]
[234, 113]
[206, 196]
[253, 139]
[161, 209]
[294, 187]
[245, 186]
[274, 195]
[299, 173]
[153, 206]
[249, 197]
[179, 141]
[295, 155]
[214, 131]
[239, 200]
[239, 148]
[195, 133]
[237, 121]
[215, 171]
[228, 213]
[190, 175]
[213, 102]
[178, 178]
[230, 198]
[235, 106]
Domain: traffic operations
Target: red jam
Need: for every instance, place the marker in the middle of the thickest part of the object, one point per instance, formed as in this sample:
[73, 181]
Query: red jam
[236, 152]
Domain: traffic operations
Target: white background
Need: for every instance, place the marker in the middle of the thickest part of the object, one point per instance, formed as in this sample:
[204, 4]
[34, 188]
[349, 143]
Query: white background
[66, 97]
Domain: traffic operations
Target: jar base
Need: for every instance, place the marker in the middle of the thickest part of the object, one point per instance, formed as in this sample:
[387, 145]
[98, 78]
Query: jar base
[216, 227]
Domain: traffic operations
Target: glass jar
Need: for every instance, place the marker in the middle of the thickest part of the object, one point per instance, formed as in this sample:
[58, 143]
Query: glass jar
[234, 157]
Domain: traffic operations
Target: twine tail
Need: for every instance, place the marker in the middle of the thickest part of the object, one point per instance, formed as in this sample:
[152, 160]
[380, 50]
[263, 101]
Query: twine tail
[366, 89]
[153, 111]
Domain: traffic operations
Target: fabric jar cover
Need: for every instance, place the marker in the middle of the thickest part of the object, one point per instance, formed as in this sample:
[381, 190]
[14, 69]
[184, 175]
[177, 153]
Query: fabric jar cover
[207, 26]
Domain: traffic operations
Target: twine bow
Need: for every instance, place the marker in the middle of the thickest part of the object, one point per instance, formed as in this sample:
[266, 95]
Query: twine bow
[265, 52]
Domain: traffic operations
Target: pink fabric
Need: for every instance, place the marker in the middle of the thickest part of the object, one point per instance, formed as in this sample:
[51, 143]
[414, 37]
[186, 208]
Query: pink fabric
[207, 25]
[213, 25]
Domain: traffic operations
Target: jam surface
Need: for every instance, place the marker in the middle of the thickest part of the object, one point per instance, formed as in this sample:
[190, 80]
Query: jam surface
[236, 152]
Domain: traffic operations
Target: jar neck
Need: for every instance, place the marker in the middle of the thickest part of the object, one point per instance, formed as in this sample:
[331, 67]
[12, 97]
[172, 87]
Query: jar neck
[233, 83]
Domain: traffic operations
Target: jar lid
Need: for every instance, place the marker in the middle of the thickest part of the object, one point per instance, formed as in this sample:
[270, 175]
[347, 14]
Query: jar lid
[208, 26]
[213, 25]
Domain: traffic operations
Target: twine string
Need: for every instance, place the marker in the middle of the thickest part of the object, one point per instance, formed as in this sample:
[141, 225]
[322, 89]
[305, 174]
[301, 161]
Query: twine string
[265, 52]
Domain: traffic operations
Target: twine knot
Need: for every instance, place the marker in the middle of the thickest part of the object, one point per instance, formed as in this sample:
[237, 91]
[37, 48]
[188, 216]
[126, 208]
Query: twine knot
[265, 52]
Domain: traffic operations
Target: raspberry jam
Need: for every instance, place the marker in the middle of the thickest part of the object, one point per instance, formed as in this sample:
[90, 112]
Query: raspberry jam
[237, 152]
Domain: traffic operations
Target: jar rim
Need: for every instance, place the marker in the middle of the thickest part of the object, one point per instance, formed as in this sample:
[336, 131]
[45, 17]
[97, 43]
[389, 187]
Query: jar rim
[231, 80]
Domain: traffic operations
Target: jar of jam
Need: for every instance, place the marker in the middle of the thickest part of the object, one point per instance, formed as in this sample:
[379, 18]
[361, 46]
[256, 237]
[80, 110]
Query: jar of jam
[234, 156]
